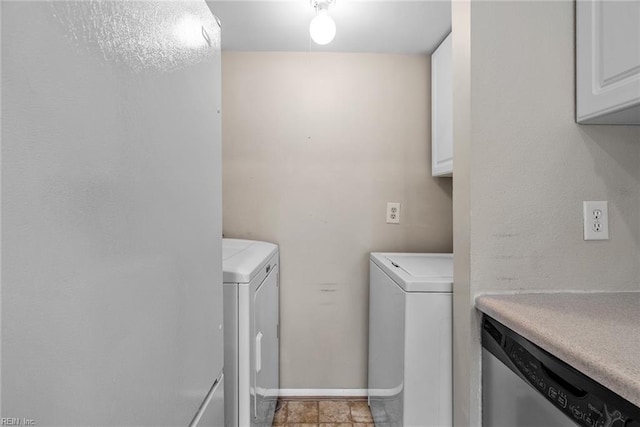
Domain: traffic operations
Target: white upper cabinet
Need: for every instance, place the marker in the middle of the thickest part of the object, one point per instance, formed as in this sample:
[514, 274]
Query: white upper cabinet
[608, 61]
[442, 110]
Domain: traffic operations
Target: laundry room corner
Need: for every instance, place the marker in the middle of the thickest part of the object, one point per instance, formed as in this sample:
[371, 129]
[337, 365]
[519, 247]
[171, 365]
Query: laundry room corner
[314, 147]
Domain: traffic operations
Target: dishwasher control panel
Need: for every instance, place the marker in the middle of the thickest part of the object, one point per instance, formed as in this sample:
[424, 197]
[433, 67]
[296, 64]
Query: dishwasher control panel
[580, 398]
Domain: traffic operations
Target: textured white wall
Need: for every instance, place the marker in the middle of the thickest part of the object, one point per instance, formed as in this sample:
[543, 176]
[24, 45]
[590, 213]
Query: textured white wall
[532, 166]
[314, 145]
[529, 168]
[111, 217]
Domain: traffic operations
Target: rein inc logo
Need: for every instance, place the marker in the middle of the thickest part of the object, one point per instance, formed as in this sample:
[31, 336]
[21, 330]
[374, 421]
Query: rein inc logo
[5, 421]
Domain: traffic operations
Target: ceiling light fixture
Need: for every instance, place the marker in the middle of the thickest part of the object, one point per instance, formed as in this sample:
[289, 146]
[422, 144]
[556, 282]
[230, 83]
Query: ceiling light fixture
[322, 28]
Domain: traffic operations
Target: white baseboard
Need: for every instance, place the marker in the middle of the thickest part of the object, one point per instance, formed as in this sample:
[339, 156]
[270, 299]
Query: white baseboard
[323, 392]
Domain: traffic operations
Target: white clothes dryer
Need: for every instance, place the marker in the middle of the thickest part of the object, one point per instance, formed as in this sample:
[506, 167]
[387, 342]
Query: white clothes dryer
[410, 339]
[251, 331]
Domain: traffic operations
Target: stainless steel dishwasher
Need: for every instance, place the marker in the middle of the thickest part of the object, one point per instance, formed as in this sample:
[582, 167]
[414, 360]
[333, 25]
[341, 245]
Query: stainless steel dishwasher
[525, 386]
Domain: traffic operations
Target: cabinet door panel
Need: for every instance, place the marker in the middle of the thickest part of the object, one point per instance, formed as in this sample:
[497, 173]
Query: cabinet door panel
[442, 110]
[608, 62]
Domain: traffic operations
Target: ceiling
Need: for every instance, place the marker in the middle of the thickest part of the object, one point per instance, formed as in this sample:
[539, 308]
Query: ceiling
[403, 27]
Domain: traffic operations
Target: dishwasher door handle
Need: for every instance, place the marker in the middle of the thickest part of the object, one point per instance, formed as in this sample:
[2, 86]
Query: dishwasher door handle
[567, 385]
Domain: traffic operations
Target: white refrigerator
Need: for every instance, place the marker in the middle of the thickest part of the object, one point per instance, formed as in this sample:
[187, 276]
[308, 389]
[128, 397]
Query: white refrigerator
[111, 213]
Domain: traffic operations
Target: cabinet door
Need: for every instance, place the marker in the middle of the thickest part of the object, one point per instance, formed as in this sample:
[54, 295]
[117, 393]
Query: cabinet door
[608, 61]
[442, 110]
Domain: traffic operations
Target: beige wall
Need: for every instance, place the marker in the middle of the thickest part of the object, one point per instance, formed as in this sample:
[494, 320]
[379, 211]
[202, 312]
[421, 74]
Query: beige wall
[314, 146]
[528, 167]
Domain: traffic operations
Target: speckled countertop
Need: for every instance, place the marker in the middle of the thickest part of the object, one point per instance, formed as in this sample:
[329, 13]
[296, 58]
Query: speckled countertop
[596, 333]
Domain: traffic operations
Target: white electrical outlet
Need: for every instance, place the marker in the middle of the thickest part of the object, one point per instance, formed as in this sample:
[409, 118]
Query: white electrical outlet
[596, 220]
[393, 213]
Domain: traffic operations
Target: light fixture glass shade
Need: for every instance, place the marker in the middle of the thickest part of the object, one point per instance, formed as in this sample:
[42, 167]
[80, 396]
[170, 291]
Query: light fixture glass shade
[322, 28]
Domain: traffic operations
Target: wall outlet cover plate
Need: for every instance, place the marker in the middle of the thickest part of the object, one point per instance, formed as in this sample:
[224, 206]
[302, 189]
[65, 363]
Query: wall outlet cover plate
[596, 220]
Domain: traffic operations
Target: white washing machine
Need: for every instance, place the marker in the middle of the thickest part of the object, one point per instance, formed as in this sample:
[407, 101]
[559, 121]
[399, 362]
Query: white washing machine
[410, 339]
[251, 331]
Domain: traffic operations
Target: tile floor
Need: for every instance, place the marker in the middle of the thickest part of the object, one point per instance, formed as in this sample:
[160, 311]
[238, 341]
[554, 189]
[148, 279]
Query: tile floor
[323, 413]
